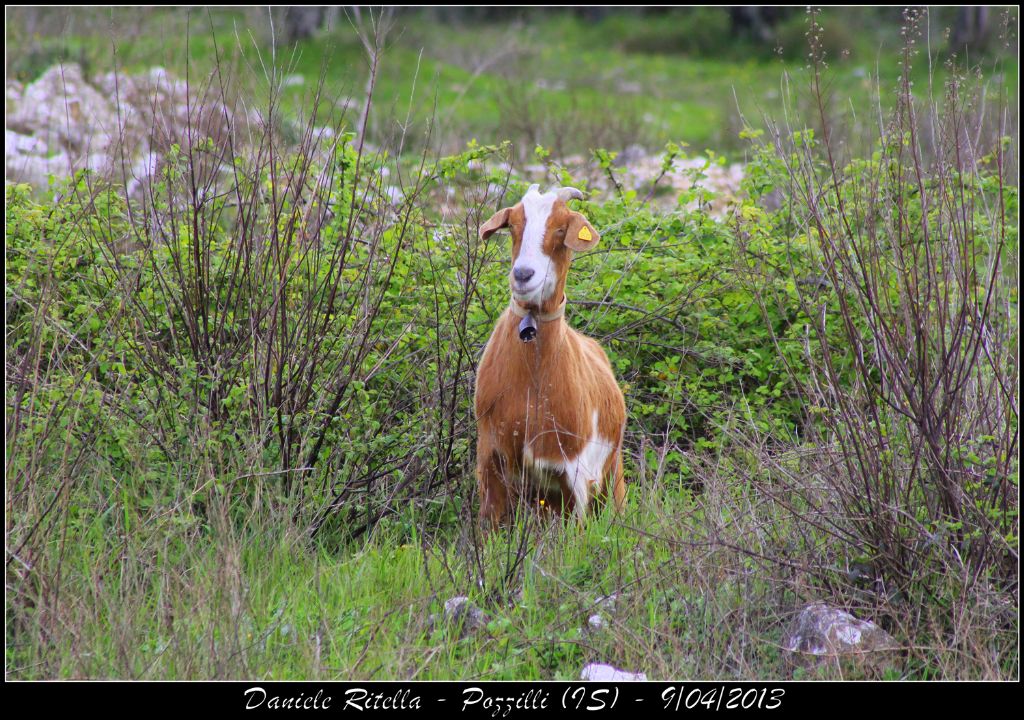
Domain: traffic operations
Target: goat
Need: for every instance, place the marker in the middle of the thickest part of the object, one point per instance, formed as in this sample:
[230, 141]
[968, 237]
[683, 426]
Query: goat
[550, 414]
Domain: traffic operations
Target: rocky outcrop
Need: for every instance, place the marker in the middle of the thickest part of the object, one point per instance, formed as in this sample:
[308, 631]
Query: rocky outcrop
[117, 126]
[714, 188]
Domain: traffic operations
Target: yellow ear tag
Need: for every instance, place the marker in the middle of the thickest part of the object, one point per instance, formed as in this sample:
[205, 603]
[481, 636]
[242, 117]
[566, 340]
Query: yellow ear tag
[585, 234]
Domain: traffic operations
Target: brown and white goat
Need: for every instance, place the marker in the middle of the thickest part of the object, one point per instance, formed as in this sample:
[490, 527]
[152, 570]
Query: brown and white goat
[550, 414]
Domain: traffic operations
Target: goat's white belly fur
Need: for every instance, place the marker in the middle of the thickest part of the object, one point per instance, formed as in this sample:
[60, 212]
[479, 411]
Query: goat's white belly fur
[582, 472]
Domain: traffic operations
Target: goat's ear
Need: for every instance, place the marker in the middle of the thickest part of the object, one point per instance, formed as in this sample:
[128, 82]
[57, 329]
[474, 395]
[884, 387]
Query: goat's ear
[498, 220]
[580, 235]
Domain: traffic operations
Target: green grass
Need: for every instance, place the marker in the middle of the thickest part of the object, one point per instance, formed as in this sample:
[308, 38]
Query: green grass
[150, 590]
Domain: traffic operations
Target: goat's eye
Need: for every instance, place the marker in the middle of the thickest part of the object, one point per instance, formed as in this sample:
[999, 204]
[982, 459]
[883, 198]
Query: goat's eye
[560, 232]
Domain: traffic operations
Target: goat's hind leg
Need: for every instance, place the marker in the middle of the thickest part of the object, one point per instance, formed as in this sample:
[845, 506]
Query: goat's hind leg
[619, 483]
[613, 482]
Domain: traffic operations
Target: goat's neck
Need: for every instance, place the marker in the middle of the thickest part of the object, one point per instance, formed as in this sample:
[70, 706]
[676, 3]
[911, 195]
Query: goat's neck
[550, 326]
[548, 312]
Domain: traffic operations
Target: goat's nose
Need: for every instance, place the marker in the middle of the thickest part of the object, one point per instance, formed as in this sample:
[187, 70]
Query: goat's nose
[522, 274]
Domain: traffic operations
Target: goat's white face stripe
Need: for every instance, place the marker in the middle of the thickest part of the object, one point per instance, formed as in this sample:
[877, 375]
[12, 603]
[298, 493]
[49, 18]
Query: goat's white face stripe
[531, 251]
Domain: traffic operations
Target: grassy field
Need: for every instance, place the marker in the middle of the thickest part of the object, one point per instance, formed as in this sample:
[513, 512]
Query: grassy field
[557, 81]
[256, 601]
[239, 423]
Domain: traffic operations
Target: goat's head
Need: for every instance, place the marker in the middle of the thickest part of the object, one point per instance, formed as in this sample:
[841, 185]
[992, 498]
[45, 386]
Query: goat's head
[545, 233]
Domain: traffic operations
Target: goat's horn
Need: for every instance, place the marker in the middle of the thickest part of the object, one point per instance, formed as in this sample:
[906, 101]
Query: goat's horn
[569, 193]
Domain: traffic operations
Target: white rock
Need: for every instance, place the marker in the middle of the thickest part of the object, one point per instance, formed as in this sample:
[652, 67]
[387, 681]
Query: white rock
[460, 611]
[17, 144]
[13, 91]
[821, 630]
[144, 168]
[598, 672]
[98, 162]
[452, 605]
[549, 84]
[61, 106]
[35, 169]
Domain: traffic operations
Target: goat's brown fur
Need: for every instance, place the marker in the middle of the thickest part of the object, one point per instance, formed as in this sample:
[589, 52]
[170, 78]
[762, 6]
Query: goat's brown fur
[542, 395]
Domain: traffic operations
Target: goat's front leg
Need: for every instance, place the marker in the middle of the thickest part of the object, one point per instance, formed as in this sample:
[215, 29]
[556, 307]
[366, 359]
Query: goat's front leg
[494, 500]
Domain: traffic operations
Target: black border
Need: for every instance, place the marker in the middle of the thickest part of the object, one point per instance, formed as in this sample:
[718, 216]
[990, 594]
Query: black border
[517, 699]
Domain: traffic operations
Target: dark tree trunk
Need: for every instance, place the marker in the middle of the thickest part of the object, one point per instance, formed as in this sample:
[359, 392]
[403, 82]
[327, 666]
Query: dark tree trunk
[971, 27]
[755, 21]
[300, 22]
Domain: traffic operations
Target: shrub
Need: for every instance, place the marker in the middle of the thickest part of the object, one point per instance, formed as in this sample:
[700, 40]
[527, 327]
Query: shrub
[916, 377]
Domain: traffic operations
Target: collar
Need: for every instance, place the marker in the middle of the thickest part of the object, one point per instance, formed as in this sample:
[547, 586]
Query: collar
[519, 311]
